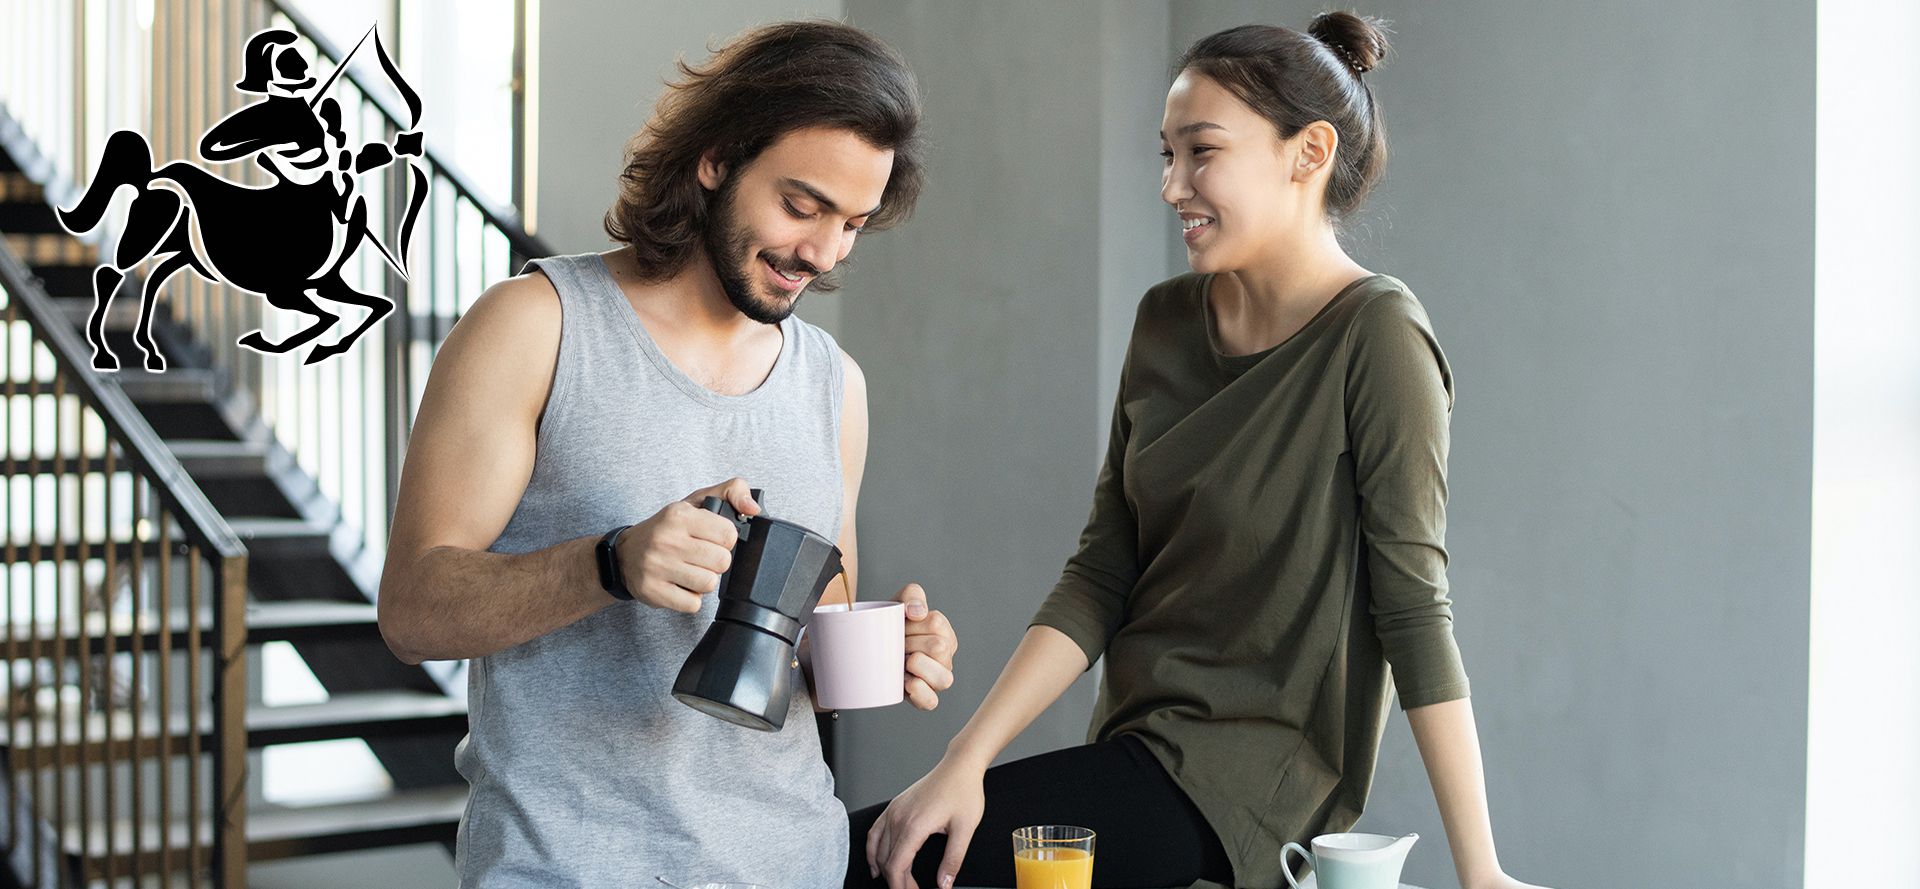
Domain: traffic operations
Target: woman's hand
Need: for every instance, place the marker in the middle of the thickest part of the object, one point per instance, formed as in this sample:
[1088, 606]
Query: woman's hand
[949, 800]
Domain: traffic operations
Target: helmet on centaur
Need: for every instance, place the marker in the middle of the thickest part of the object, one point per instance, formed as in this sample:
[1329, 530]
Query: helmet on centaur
[272, 60]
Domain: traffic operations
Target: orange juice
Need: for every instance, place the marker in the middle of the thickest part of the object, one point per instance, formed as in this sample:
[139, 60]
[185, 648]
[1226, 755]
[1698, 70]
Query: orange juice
[1053, 869]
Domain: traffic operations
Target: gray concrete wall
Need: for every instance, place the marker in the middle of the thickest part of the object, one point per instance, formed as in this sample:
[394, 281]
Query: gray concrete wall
[1608, 210]
[991, 328]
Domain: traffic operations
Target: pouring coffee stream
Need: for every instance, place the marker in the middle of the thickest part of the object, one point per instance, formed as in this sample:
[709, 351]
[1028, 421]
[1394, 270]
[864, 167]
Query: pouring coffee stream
[741, 669]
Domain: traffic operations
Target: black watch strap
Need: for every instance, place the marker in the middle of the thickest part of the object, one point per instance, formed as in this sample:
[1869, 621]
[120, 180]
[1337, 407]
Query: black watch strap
[608, 558]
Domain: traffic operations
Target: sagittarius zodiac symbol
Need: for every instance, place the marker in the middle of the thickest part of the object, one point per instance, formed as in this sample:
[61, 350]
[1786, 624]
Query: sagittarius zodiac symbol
[282, 241]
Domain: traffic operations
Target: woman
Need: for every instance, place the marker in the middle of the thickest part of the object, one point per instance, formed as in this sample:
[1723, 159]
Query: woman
[1267, 535]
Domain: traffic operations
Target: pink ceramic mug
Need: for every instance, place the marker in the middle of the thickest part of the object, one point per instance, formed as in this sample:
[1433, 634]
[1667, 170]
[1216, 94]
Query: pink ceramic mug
[859, 654]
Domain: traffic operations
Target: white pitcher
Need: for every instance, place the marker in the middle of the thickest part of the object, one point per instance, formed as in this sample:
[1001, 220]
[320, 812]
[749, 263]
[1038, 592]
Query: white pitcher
[1353, 860]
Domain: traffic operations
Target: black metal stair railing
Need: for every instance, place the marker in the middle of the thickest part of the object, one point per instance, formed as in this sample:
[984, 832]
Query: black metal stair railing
[125, 624]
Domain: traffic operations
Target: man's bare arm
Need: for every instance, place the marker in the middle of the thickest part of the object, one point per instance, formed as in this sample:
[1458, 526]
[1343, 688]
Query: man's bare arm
[442, 596]
[853, 467]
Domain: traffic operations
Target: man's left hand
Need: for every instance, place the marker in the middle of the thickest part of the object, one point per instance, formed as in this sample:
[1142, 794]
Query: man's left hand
[930, 647]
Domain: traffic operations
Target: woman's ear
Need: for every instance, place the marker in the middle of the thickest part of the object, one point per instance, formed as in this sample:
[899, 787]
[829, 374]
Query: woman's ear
[1316, 144]
[711, 171]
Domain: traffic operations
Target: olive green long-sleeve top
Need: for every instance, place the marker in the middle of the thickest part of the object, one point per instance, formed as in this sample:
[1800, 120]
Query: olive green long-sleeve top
[1266, 554]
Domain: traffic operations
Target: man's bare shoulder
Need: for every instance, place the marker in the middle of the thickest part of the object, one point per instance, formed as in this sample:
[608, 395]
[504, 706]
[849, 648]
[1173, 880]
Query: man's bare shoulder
[856, 379]
[525, 303]
[504, 349]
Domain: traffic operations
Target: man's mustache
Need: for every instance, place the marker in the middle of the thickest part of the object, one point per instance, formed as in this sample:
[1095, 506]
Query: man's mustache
[790, 266]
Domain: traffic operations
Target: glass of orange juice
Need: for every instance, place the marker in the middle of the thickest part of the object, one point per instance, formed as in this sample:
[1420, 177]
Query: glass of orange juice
[1053, 856]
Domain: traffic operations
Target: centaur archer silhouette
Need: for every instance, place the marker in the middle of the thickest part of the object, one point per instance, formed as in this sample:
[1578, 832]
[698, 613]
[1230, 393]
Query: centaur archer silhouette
[281, 241]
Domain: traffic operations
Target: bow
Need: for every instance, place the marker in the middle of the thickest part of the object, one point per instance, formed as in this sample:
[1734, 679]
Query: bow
[408, 143]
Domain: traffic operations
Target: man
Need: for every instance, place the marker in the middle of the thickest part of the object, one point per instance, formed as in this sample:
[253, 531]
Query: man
[602, 390]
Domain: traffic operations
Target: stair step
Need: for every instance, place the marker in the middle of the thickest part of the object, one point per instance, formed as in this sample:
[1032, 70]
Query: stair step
[218, 458]
[123, 315]
[299, 621]
[176, 386]
[311, 621]
[400, 818]
[35, 388]
[361, 714]
[68, 465]
[187, 418]
[34, 248]
[29, 216]
[62, 280]
[283, 538]
[63, 554]
[20, 187]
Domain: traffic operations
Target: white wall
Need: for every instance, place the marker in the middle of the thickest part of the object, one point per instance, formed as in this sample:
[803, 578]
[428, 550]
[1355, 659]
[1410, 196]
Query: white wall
[1863, 768]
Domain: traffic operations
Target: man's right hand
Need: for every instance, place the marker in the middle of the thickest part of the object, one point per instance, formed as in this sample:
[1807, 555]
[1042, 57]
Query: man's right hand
[674, 558]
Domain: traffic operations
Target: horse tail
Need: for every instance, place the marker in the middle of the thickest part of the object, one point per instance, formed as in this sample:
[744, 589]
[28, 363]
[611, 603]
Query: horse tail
[127, 160]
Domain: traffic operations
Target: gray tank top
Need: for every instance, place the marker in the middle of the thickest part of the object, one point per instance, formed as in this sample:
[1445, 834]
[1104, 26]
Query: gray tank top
[585, 771]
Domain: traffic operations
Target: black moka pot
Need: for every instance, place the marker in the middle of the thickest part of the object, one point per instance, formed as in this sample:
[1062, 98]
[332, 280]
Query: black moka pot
[741, 669]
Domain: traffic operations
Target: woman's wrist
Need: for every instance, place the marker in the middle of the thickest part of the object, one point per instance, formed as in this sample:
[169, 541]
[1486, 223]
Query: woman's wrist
[1482, 874]
[965, 753]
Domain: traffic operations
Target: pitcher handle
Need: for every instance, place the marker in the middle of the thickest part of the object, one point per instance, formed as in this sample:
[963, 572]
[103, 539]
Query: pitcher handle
[1288, 871]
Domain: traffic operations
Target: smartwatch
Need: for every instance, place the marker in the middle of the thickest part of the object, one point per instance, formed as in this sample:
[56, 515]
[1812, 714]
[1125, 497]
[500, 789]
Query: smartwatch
[608, 558]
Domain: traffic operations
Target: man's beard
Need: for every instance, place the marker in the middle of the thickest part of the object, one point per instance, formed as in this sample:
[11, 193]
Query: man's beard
[727, 243]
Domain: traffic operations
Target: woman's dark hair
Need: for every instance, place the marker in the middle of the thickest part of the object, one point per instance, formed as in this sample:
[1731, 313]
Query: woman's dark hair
[1293, 79]
[763, 85]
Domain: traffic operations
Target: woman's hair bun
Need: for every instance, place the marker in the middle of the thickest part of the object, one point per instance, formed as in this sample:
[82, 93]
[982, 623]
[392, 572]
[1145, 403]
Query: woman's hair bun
[1359, 41]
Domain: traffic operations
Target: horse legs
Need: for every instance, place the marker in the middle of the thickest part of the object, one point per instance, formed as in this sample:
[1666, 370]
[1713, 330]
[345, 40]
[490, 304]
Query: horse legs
[106, 279]
[332, 288]
[143, 332]
[298, 301]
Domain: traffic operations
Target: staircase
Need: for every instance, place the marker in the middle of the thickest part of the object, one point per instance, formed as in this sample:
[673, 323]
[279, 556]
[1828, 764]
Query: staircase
[302, 594]
[243, 524]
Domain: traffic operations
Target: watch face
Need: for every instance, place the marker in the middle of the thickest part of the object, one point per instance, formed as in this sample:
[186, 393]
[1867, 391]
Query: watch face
[609, 560]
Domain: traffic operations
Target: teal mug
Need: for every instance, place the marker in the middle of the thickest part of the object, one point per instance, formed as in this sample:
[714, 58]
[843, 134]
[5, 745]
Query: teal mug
[1352, 860]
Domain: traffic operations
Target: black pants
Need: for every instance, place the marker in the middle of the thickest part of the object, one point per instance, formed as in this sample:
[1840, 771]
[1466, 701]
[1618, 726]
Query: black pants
[1147, 832]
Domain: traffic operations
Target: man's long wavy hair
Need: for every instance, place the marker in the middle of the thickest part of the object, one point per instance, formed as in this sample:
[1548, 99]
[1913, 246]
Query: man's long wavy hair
[765, 84]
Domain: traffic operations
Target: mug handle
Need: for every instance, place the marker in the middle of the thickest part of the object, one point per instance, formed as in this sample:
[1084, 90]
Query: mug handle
[1287, 871]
